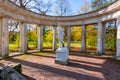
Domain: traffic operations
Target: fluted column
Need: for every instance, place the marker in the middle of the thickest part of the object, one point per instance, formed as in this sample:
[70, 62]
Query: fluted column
[23, 37]
[101, 38]
[4, 44]
[54, 37]
[40, 37]
[83, 46]
[118, 39]
[69, 37]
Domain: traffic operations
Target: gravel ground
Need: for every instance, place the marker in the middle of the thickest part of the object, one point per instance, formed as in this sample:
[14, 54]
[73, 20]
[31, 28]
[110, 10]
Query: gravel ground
[81, 67]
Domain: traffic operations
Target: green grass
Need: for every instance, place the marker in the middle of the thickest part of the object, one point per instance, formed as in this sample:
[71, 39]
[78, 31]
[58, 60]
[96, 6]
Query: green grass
[75, 44]
[13, 46]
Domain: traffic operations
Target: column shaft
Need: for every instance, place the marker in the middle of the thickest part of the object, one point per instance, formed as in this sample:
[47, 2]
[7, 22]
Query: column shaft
[118, 39]
[4, 44]
[40, 38]
[0, 36]
[69, 37]
[101, 38]
[54, 37]
[83, 45]
[23, 37]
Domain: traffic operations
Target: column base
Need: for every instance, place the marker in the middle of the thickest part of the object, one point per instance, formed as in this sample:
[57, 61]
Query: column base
[118, 57]
[5, 55]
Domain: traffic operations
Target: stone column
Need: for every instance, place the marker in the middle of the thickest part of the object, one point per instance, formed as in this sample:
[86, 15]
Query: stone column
[54, 37]
[118, 40]
[83, 46]
[0, 36]
[101, 38]
[4, 44]
[69, 37]
[23, 37]
[40, 38]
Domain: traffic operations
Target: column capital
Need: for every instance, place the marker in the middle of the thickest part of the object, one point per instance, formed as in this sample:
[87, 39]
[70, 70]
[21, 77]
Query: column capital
[55, 25]
[99, 20]
[83, 25]
[69, 25]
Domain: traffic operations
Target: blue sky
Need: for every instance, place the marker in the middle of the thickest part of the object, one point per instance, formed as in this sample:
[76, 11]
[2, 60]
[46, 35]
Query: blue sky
[76, 4]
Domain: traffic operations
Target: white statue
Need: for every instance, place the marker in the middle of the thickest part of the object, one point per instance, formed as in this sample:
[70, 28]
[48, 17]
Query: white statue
[118, 22]
[60, 36]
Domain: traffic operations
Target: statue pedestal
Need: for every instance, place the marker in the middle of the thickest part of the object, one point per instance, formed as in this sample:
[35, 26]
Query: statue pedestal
[62, 54]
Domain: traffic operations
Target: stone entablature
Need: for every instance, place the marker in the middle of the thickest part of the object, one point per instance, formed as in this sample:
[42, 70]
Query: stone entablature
[7, 8]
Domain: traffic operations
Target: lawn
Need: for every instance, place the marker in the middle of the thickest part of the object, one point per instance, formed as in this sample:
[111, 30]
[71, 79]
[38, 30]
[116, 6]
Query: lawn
[13, 47]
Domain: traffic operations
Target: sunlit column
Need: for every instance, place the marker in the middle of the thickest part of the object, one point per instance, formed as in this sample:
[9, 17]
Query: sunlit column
[101, 38]
[4, 44]
[54, 37]
[0, 36]
[83, 44]
[23, 37]
[40, 37]
[69, 37]
[118, 39]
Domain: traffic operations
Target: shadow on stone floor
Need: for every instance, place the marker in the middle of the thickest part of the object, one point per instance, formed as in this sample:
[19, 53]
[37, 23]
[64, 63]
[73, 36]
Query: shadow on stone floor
[108, 69]
[58, 71]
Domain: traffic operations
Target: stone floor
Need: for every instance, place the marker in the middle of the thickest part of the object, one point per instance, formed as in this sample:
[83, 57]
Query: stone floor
[81, 67]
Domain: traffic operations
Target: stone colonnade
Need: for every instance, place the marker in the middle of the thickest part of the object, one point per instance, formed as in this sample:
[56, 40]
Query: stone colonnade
[4, 44]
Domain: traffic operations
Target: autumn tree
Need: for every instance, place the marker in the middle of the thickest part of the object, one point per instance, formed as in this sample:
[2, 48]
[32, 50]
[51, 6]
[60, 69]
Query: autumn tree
[91, 34]
[111, 32]
[76, 33]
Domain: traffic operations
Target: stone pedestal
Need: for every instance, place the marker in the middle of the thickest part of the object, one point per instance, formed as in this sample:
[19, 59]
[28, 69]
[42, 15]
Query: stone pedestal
[62, 55]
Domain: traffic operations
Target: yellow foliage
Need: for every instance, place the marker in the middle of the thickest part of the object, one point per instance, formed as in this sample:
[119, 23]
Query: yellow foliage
[49, 36]
[76, 33]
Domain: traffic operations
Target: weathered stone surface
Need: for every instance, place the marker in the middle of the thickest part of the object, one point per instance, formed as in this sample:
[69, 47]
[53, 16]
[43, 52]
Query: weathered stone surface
[17, 67]
[17, 13]
[9, 73]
